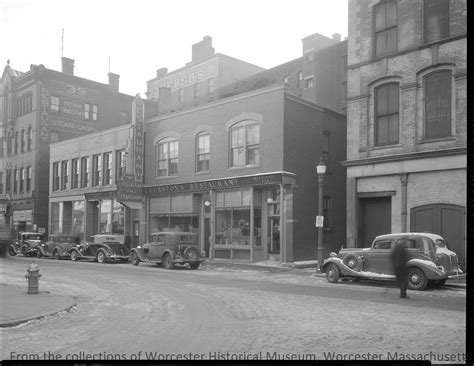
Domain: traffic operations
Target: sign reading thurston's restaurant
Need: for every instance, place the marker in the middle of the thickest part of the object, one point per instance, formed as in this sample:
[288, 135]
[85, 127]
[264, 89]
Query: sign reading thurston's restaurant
[129, 190]
[138, 140]
[216, 184]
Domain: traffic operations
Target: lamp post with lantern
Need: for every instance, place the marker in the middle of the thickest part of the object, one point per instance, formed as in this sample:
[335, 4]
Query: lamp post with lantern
[321, 171]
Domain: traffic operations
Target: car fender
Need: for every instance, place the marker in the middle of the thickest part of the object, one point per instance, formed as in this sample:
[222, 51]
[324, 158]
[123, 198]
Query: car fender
[43, 250]
[345, 271]
[430, 270]
[76, 249]
[170, 252]
[103, 250]
[140, 253]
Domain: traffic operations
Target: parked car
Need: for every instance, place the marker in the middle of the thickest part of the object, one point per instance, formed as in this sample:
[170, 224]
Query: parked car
[102, 248]
[429, 262]
[27, 244]
[169, 248]
[58, 246]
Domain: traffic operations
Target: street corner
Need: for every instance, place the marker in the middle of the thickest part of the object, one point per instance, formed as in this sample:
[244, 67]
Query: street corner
[19, 307]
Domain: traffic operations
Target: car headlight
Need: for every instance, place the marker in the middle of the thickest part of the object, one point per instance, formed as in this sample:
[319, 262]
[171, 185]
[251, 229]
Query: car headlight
[332, 255]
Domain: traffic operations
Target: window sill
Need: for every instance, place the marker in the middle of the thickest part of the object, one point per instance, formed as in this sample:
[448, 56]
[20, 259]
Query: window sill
[438, 139]
[244, 167]
[381, 147]
[166, 177]
[203, 172]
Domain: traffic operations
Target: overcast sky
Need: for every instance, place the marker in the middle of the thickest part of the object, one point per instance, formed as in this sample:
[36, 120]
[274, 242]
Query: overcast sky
[141, 36]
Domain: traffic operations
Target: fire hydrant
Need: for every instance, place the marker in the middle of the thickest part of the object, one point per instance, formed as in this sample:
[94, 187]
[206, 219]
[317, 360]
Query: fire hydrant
[32, 277]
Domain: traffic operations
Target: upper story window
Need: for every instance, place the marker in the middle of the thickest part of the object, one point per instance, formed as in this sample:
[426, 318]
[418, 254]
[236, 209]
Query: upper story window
[167, 151]
[56, 176]
[8, 181]
[286, 80]
[107, 163]
[96, 169]
[202, 152]
[15, 180]
[22, 179]
[64, 174]
[17, 144]
[385, 27]
[28, 178]
[23, 141]
[181, 95]
[245, 144]
[95, 113]
[435, 20]
[87, 111]
[437, 88]
[210, 85]
[54, 104]
[9, 143]
[308, 55]
[30, 138]
[308, 82]
[1, 182]
[299, 79]
[1, 147]
[25, 104]
[84, 171]
[196, 91]
[120, 161]
[74, 173]
[386, 114]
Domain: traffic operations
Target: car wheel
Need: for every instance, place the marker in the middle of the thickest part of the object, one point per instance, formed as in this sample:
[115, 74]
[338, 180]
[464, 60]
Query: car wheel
[353, 262]
[194, 265]
[11, 251]
[332, 273]
[134, 259]
[416, 279]
[168, 261]
[56, 254]
[101, 257]
[39, 254]
[74, 255]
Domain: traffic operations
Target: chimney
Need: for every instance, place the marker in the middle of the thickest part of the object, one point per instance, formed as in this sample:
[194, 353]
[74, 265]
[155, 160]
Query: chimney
[114, 81]
[68, 65]
[164, 100]
[161, 72]
[203, 49]
[336, 37]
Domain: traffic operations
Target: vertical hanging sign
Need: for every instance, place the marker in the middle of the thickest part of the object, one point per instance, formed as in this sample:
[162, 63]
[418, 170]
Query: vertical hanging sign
[44, 115]
[137, 122]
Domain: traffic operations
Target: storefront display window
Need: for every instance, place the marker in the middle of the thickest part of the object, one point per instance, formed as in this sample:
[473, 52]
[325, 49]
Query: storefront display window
[78, 218]
[118, 218]
[106, 217]
[56, 208]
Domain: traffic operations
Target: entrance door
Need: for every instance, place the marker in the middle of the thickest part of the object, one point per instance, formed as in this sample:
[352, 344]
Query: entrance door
[375, 218]
[207, 234]
[135, 232]
[444, 220]
[274, 237]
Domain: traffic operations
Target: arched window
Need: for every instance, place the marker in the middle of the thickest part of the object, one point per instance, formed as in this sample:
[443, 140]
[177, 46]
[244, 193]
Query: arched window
[167, 151]
[437, 90]
[245, 144]
[386, 114]
[202, 152]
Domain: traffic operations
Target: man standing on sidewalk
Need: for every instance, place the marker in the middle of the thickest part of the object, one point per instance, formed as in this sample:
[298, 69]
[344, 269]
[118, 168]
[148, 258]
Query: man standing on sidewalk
[399, 260]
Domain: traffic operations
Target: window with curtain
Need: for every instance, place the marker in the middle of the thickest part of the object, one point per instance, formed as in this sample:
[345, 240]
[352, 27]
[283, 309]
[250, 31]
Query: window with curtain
[437, 89]
[435, 20]
[167, 151]
[385, 27]
[245, 144]
[386, 114]
[202, 152]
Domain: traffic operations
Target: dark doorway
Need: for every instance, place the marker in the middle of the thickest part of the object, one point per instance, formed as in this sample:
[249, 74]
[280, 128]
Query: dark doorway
[375, 218]
[135, 233]
[207, 235]
[445, 220]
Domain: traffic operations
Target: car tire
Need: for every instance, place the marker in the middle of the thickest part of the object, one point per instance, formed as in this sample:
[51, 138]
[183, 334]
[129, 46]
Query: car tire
[353, 262]
[416, 279]
[39, 254]
[134, 259]
[332, 273]
[167, 261]
[74, 256]
[56, 254]
[194, 265]
[100, 257]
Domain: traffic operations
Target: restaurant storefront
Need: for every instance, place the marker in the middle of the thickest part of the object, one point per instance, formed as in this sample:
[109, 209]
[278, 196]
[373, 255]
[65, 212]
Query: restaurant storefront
[234, 218]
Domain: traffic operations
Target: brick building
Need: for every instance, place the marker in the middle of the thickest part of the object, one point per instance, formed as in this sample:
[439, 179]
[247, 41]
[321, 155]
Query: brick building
[42, 106]
[406, 110]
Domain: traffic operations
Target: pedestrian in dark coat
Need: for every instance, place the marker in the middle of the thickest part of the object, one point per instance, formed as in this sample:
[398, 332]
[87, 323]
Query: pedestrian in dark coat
[399, 260]
[128, 241]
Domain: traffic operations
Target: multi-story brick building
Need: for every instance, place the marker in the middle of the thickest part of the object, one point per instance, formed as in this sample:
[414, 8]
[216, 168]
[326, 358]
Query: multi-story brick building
[42, 106]
[406, 116]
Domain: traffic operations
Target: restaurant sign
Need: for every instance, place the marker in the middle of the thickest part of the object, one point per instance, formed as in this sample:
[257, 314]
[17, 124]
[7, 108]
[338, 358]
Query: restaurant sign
[129, 190]
[228, 183]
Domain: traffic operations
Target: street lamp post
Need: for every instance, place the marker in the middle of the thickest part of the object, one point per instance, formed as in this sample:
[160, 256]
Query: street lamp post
[321, 170]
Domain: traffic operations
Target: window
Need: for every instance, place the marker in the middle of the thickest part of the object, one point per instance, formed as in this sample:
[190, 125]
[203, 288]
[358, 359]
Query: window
[96, 169]
[167, 158]
[107, 160]
[28, 178]
[74, 173]
[54, 104]
[64, 174]
[30, 138]
[9, 143]
[245, 144]
[15, 180]
[84, 171]
[308, 55]
[1, 147]
[8, 181]
[1, 183]
[22, 180]
[308, 83]
[181, 95]
[196, 91]
[286, 80]
[382, 245]
[120, 160]
[327, 212]
[299, 79]
[436, 20]
[210, 85]
[25, 104]
[23, 141]
[438, 104]
[87, 111]
[202, 152]
[386, 114]
[385, 27]
[16, 142]
[95, 113]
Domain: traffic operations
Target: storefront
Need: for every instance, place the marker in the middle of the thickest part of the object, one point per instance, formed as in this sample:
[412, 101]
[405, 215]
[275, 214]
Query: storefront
[234, 218]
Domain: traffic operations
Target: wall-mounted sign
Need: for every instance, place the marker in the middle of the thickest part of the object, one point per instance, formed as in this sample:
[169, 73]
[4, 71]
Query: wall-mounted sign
[72, 108]
[137, 122]
[72, 90]
[73, 125]
[319, 221]
[22, 215]
[44, 115]
[186, 77]
[129, 190]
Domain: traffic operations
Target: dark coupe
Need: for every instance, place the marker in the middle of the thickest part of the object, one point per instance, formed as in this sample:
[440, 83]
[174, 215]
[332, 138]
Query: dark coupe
[104, 248]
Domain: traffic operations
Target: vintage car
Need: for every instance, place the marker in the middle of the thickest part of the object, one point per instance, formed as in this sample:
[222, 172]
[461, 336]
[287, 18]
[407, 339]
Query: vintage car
[429, 261]
[58, 246]
[27, 244]
[169, 248]
[102, 248]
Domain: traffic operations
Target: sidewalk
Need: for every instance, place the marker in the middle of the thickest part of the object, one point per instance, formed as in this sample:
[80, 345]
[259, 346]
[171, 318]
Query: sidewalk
[18, 307]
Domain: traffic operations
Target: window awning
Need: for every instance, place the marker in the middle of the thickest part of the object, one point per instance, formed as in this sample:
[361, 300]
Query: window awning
[133, 205]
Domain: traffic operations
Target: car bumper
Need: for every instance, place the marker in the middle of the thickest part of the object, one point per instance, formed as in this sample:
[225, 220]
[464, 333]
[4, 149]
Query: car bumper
[457, 276]
[118, 258]
[184, 260]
